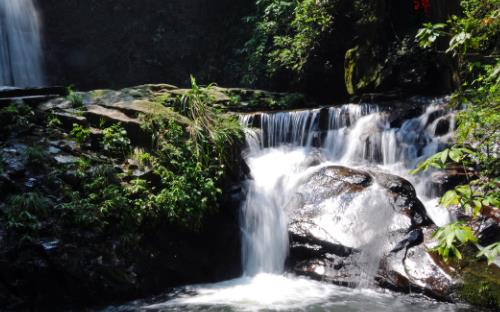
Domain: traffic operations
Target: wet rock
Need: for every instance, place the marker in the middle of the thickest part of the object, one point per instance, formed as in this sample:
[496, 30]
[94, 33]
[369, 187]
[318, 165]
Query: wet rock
[313, 159]
[489, 231]
[414, 269]
[31, 182]
[414, 238]
[403, 197]
[324, 198]
[14, 160]
[449, 178]
[434, 116]
[66, 159]
[442, 127]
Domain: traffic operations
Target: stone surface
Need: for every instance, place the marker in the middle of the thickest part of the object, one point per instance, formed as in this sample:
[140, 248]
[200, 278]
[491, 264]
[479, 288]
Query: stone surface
[408, 266]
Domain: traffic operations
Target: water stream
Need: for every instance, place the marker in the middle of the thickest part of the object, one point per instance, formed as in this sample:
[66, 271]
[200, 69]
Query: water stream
[279, 157]
[20, 44]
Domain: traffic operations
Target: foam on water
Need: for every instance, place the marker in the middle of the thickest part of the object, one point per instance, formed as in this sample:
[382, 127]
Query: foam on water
[271, 292]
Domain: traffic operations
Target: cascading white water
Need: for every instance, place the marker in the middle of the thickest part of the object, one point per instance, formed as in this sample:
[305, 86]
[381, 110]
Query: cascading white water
[282, 154]
[20, 44]
[357, 136]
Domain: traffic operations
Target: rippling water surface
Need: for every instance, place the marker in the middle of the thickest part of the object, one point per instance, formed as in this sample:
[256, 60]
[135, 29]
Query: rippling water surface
[269, 292]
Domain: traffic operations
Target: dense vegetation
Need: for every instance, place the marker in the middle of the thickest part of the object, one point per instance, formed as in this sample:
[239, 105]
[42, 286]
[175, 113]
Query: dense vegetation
[333, 49]
[473, 43]
[101, 203]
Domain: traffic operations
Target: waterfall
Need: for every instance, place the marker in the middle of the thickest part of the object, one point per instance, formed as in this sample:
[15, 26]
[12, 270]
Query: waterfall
[279, 157]
[20, 44]
[290, 156]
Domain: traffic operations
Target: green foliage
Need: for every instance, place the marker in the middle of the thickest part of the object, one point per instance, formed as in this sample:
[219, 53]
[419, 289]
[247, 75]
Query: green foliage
[16, 117]
[141, 158]
[115, 141]
[53, 121]
[209, 130]
[25, 212]
[74, 97]
[80, 134]
[472, 44]
[481, 285]
[490, 252]
[189, 157]
[429, 33]
[440, 160]
[449, 236]
[36, 155]
[285, 36]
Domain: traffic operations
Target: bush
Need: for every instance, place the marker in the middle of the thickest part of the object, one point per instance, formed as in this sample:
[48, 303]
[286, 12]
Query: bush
[80, 134]
[16, 117]
[25, 212]
[115, 141]
[74, 97]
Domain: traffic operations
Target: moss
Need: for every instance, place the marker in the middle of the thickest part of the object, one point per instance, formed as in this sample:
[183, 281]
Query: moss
[349, 66]
[481, 284]
[363, 72]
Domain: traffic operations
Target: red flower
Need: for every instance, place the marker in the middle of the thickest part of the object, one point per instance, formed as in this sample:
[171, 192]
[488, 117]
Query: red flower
[424, 5]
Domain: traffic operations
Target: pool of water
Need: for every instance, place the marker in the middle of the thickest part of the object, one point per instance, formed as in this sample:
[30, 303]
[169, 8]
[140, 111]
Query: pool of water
[270, 292]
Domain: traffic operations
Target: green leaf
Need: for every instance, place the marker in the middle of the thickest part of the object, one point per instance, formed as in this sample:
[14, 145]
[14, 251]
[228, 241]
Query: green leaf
[455, 155]
[449, 198]
[444, 156]
[490, 252]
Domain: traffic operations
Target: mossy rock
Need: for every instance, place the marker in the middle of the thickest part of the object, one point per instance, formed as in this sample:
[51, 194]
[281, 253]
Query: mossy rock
[481, 285]
[363, 71]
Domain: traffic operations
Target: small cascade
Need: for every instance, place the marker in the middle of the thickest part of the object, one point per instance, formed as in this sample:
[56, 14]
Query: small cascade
[318, 176]
[20, 44]
[357, 136]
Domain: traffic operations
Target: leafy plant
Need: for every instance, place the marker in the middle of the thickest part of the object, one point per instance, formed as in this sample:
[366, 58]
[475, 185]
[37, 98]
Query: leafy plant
[53, 121]
[24, 213]
[80, 134]
[491, 252]
[286, 34]
[141, 158]
[448, 237]
[472, 40]
[429, 33]
[36, 155]
[74, 97]
[16, 117]
[115, 141]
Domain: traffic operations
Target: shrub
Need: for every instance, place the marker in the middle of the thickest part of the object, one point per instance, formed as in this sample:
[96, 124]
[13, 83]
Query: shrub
[141, 158]
[74, 97]
[80, 134]
[16, 117]
[115, 141]
[25, 212]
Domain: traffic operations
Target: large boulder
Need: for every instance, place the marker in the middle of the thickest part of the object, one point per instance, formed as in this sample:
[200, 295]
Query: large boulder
[352, 226]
